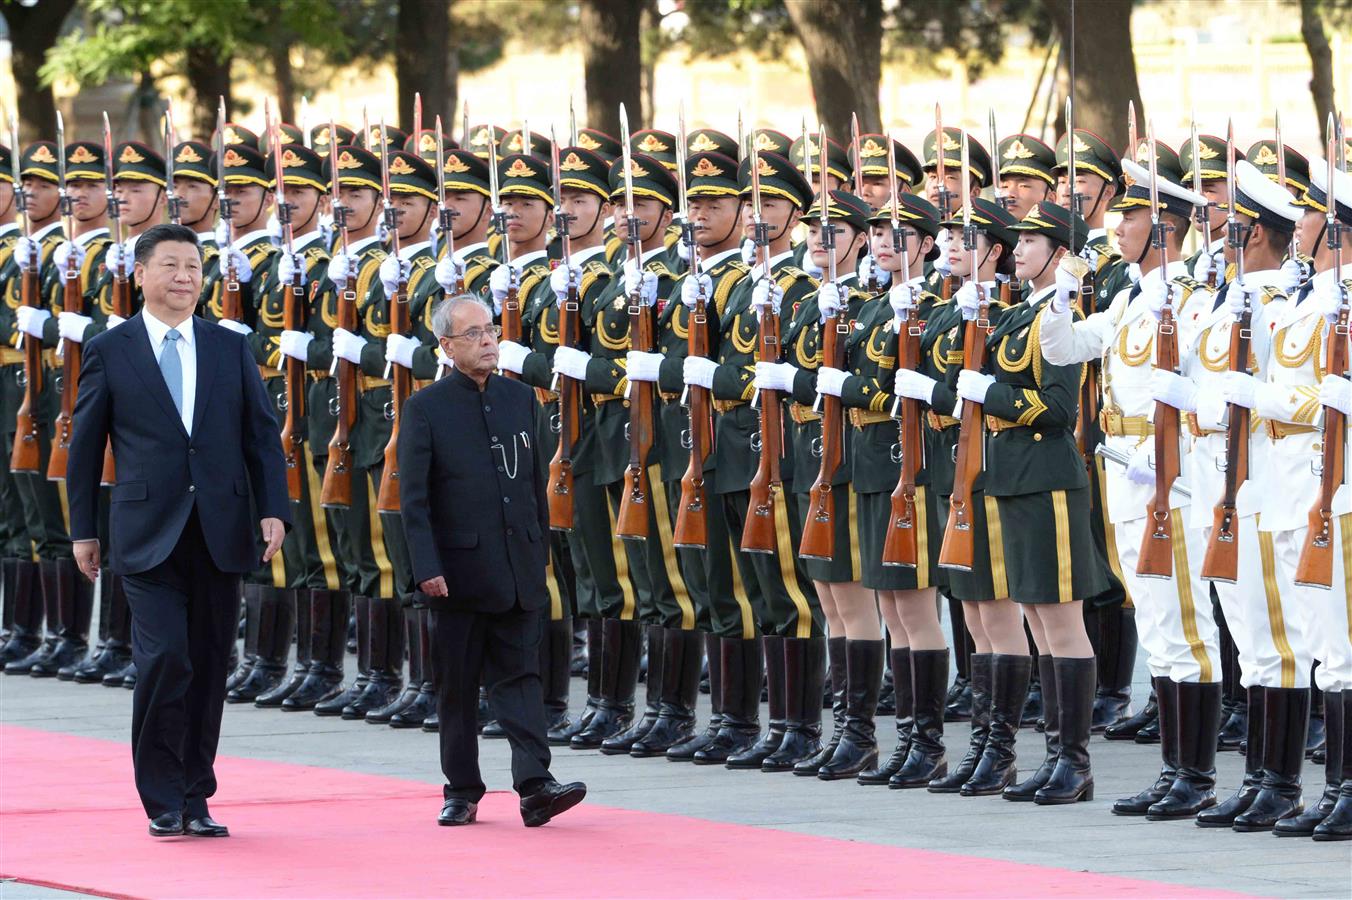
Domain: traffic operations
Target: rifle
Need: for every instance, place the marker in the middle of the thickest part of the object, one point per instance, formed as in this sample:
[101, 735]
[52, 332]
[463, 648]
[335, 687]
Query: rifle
[401, 379]
[899, 545]
[871, 285]
[632, 520]
[819, 536]
[1157, 544]
[767, 486]
[1315, 568]
[945, 196]
[336, 491]
[692, 527]
[72, 300]
[173, 203]
[511, 304]
[1086, 419]
[959, 537]
[231, 307]
[26, 456]
[293, 319]
[446, 215]
[121, 287]
[560, 490]
[1221, 562]
[1200, 210]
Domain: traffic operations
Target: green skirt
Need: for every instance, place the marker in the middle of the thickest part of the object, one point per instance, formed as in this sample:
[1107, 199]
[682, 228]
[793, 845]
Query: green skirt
[1049, 547]
[875, 518]
[844, 564]
[987, 579]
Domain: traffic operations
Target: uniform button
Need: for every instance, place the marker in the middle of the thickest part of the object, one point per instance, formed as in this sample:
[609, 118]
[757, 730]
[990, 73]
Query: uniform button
[511, 531]
[192, 451]
[494, 439]
[506, 499]
[488, 407]
[1037, 435]
[192, 489]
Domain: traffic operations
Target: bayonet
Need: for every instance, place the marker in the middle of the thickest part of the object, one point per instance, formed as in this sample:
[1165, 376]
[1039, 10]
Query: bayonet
[417, 122]
[172, 201]
[1000, 196]
[305, 123]
[572, 126]
[446, 215]
[941, 169]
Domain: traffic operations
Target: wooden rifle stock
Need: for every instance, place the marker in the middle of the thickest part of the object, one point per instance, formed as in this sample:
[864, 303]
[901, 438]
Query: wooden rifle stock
[121, 307]
[692, 525]
[336, 492]
[1087, 417]
[1157, 544]
[632, 520]
[511, 321]
[72, 299]
[231, 306]
[27, 444]
[560, 490]
[1221, 562]
[899, 545]
[293, 314]
[401, 381]
[767, 489]
[1315, 568]
[959, 544]
[819, 534]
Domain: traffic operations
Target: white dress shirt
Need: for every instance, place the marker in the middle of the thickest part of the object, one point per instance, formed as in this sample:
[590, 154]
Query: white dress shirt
[187, 353]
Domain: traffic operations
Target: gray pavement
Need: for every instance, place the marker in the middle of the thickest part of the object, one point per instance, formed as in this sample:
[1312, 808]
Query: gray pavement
[1085, 837]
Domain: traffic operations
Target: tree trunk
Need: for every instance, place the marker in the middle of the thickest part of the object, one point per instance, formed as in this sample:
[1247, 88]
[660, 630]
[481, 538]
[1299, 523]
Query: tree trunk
[284, 81]
[611, 62]
[422, 48]
[32, 32]
[1321, 63]
[1105, 65]
[842, 40]
[208, 74]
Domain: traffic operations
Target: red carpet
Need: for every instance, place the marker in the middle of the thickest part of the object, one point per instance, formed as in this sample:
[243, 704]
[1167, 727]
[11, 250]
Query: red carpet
[69, 818]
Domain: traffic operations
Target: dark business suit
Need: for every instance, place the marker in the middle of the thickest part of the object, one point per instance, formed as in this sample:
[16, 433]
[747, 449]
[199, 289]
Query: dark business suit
[181, 533]
[473, 501]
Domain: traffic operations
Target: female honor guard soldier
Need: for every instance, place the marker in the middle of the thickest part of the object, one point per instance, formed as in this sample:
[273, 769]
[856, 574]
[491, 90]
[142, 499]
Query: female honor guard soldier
[1041, 489]
[905, 595]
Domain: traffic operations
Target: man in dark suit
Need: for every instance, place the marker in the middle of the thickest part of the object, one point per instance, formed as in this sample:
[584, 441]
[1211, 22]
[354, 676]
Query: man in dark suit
[197, 452]
[473, 501]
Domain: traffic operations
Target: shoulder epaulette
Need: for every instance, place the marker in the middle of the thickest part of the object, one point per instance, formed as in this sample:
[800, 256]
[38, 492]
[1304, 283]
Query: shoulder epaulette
[315, 253]
[789, 274]
[659, 268]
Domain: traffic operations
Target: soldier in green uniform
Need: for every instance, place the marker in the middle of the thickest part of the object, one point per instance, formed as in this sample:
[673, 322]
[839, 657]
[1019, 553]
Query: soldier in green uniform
[195, 189]
[321, 138]
[1207, 159]
[807, 157]
[1025, 166]
[243, 240]
[1098, 181]
[874, 171]
[788, 602]
[1037, 477]
[466, 270]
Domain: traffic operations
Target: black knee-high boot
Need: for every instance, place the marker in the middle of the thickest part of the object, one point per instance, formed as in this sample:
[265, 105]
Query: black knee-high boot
[685, 750]
[1194, 787]
[1286, 713]
[926, 760]
[996, 770]
[756, 754]
[1025, 790]
[858, 748]
[835, 653]
[1222, 815]
[1072, 780]
[902, 678]
[982, 669]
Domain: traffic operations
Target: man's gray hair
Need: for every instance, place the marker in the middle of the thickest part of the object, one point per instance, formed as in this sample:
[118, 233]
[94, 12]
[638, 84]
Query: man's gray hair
[444, 312]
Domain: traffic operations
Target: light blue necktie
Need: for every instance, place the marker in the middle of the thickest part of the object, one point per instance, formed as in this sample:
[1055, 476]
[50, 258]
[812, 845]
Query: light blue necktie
[171, 366]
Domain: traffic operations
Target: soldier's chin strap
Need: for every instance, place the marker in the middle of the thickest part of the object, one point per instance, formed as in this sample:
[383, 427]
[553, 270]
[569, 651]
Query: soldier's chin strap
[736, 224]
[1050, 257]
[596, 220]
[154, 204]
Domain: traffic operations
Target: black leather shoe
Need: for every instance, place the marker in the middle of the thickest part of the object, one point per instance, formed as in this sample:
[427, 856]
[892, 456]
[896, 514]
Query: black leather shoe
[1194, 787]
[205, 826]
[168, 824]
[1285, 720]
[1127, 729]
[551, 800]
[457, 811]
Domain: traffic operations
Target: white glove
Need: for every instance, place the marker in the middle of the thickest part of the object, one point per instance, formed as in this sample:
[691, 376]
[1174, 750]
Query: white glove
[1205, 266]
[914, 385]
[512, 356]
[114, 321]
[831, 381]
[274, 230]
[869, 266]
[30, 319]
[347, 345]
[399, 349]
[340, 270]
[766, 295]
[640, 281]
[1141, 467]
[448, 272]
[1328, 301]
[1336, 393]
[26, 253]
[811, 267]
[236, 326]
[941, 262]
[974, 385]
[71, 326]
[1067, 288]
[829, 301]
[748, 251]
[62, 257]
[643, 366]
[571, 362]
[1240, 388]
[243, 270]
[699, 371]
[558, 281]
[443, 359]
[500, 281]
[683, 251]
[118, 261]
[1134, 272]
[1157, 293]
[693, 285]
[1292, 274]
[902, 297]
[968, 299]
[222, 232]
[771, 376]
[1240, 293]
[1173, 390]
[295, 344]
[288, 266]
[394, 272]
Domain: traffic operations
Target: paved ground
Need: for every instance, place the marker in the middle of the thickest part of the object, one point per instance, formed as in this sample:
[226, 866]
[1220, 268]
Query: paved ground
[1085, 837]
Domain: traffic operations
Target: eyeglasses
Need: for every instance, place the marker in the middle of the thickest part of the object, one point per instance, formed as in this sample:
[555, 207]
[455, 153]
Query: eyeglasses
[474, 335]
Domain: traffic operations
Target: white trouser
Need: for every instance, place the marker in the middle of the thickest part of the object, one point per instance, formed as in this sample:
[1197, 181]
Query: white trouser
[1255, 613]
[1174, 621]
[1317, 619]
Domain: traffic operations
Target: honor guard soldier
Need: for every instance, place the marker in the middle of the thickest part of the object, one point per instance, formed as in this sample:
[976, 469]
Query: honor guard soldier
[1204, 160]
[195, 189]
[242, 239]
[1026, 168]
[464, 261]
[1098, 181]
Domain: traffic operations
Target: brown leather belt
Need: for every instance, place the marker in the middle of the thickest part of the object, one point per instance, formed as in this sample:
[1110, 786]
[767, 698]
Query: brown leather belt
[861, 417]
[938, 422]
[1196, 430]
[544, 395]
[1279, 430]
[598, 399]
[995, 424]
[803, 414]
[723, 406]
[370, 382]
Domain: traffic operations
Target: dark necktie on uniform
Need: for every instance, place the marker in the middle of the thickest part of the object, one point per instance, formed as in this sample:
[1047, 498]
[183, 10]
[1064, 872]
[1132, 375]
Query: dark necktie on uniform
[1220, 296]
[171, 367]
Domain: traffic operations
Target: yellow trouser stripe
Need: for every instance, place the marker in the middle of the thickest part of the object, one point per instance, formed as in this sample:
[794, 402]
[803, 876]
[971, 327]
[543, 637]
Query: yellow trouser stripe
[1110, 537]
[661, 514]
[921, 526]
[739, 594]
[856, 568]
[65, 502]
[1065, 586]
[995, 535]
[1276, 621]
[378, 543]
[786, 556]
[552, 585]
[621, 569]
[321, 522]
[1183, 582]
[1345, 526]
